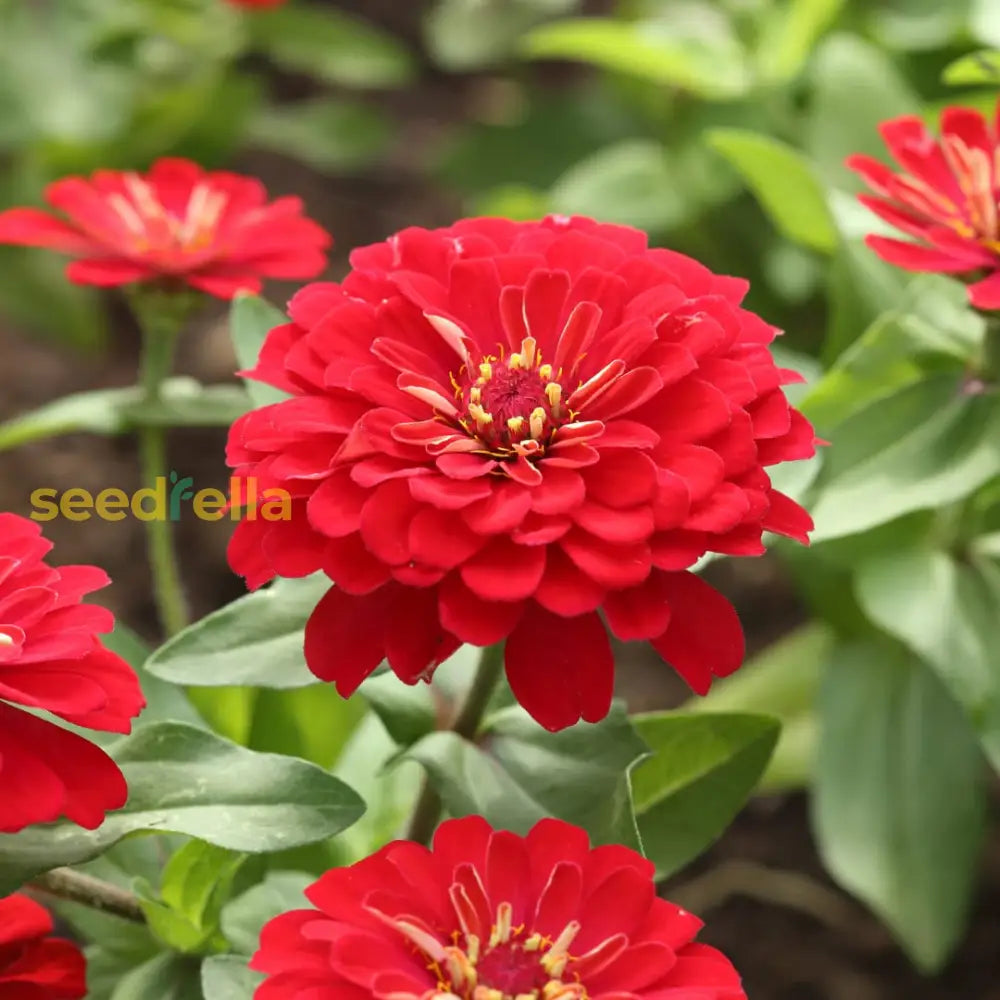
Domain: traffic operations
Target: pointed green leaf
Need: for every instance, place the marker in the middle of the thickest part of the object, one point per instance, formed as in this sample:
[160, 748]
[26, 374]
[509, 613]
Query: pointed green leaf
[251, 319]
[255, 641]
[702, 771]
[228, 977]
[899, 806]
[185, 780]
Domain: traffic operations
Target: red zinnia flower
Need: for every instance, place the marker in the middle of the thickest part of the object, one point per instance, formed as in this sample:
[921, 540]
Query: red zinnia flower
[500, 428]
[488, 915]
[51, 659]
[213, 231]
[34, 966]
[946, 198]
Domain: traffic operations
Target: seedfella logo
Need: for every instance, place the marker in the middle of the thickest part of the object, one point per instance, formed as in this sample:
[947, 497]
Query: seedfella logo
[165, 500]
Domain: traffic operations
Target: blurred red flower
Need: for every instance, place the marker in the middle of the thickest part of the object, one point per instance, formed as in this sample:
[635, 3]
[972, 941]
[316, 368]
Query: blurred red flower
[500, 428]
[51, 659]
[213, 231]
[945, 197]
[488, 915]
[34, 966]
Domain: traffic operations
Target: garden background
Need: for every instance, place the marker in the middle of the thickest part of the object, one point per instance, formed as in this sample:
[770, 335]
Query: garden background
[721, 127]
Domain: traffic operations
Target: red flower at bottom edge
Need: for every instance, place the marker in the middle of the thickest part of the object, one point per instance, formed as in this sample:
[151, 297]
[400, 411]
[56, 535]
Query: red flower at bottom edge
[34, 966]
[489, 915]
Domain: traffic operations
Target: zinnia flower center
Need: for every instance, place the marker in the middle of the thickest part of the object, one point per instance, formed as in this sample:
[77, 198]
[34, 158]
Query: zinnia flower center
[513, 405]
[154, 228]
[512, 965]
[974, 172]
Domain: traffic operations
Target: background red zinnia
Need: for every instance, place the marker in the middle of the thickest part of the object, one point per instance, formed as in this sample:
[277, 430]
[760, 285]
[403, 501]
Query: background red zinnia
[488, 914]
[946, 197]
[213, 231]
[51, 659]
[499, 429]
[34, 966]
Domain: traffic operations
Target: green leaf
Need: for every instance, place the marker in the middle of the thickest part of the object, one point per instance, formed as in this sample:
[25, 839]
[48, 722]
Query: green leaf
[788, 35]
[899, 805]
[227, 977]
[630, 182]
[251, 319]
[312, 722]
[714, 69]
[784, 183]
[929, 327]
[947, 612]
[331, 135]
[117, 411]
[166, 977]
[976, 68]
[243, 917]
[390, 792]
[184, 780]
[467, 34]
[255, 641]
[196, 882]
[333, 46]
[926, 445]
[856, 86]
[519, 773]
[782, 681]
[703, 769]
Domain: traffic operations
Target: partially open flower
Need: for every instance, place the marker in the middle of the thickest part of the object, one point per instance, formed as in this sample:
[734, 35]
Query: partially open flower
[34, 966]
[488, 915]
[499, 430]
[178, 224]
[946, 198]
[52, 660]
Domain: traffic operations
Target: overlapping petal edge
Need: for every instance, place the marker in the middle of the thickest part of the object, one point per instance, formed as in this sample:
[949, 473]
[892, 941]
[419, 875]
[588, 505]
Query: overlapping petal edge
[499, 429]
[33, 965]
[212, 231]
[488, 915]
[51, 660]
[946, 198]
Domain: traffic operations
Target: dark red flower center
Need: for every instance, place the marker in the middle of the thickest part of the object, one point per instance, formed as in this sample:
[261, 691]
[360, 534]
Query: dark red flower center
[513, 964]
[512, 405]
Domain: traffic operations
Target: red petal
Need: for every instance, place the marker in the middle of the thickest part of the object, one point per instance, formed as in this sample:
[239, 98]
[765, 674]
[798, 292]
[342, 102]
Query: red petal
[504, 571]
[385, 521]
[345, 637]
[560, 669]
[474, 620]
[641, 612]
[786, 517]
[704, 638]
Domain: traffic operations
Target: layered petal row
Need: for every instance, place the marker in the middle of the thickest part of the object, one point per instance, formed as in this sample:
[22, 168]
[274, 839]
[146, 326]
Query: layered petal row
[34, 965]
[520, 431]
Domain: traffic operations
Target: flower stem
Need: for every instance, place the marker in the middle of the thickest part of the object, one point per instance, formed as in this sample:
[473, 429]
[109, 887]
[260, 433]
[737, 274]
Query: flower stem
[427, 811]
[64, 883]
[159, 326]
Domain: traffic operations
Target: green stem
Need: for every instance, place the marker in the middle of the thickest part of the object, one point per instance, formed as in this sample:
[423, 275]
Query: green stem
[427, 811]
[64, 883]
[160, 325]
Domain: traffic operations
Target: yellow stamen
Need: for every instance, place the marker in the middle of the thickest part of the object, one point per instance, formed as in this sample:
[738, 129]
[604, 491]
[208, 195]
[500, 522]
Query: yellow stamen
[536, 422]
[545, 372]
[553, 393]
[515, 425]
[481, 417]
[486, 371]
[555, 960]
[503, 926]
[476, 394]
[516, 361]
